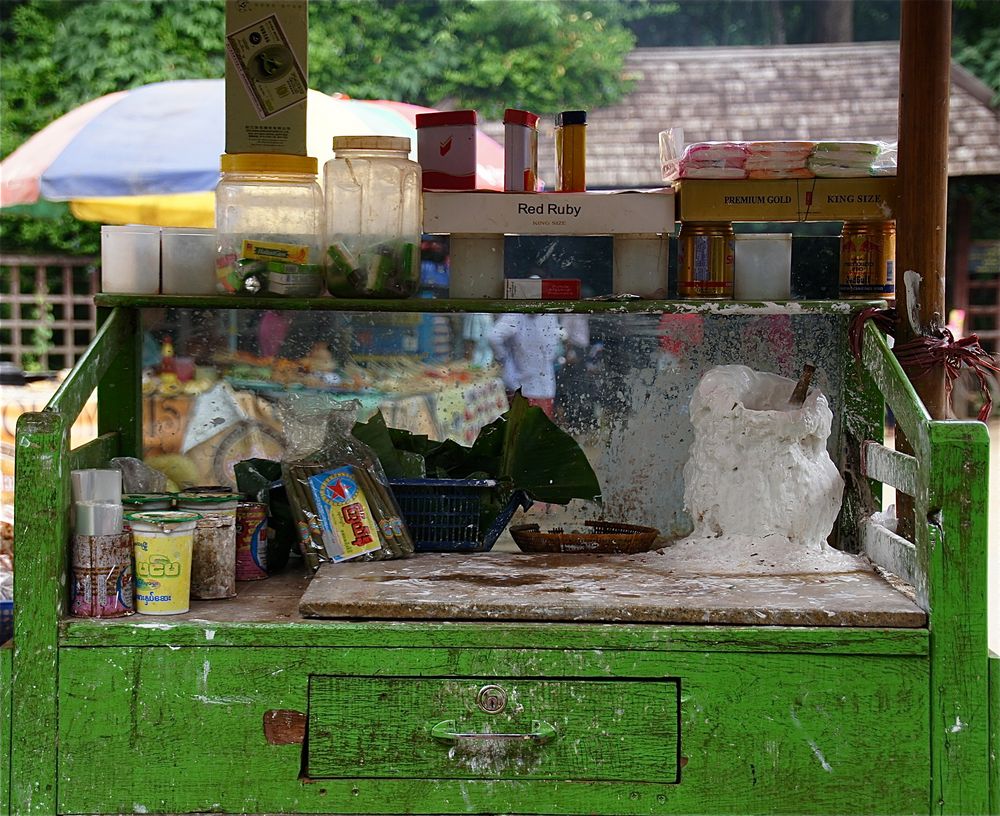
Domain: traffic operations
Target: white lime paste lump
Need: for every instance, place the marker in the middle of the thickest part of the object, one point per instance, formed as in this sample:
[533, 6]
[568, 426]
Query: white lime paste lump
[759, 467]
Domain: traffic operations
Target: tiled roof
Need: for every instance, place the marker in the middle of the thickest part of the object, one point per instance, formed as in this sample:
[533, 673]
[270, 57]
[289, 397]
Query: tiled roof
[841, 91]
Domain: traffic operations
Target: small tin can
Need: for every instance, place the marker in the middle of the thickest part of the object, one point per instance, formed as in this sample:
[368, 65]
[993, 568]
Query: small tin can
[102, 585]
[251, 541]
[520, 143]
[446, 149]
[868, 260]
[706, 260]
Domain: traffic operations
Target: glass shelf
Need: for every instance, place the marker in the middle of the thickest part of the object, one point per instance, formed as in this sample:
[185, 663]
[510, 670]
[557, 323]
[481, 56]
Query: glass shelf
[444, 305]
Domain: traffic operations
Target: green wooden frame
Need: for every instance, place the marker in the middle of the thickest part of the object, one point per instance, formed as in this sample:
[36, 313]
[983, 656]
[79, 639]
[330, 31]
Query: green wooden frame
[946, 562]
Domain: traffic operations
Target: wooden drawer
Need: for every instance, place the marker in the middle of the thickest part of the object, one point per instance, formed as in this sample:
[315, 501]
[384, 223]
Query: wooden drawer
[524, 728]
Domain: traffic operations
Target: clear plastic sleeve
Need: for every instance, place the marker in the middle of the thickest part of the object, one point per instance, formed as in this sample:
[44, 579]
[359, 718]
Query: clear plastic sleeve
[339, 495]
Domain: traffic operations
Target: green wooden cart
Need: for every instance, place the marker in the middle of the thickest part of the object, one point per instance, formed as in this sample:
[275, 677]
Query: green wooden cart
[250, 707]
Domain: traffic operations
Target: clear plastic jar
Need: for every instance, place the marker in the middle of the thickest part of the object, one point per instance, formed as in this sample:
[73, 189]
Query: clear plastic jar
[373, 217]
[269, 222]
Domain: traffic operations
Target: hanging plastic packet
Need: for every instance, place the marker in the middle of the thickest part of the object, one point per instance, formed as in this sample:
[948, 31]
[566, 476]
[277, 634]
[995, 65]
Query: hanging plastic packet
[340, 498]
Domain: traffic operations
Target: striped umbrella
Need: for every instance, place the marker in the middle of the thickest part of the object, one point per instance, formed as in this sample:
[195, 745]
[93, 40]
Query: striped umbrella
[150, 155]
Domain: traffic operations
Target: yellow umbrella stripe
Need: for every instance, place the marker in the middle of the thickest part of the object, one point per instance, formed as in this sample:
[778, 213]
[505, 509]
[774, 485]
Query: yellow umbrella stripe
[175, 210]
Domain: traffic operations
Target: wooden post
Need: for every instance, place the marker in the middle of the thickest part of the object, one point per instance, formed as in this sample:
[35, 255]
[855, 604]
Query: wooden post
[924, 85]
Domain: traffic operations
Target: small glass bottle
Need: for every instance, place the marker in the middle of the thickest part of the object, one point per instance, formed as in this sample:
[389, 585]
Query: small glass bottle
[269, 222]
[571, 152]
[373, 217]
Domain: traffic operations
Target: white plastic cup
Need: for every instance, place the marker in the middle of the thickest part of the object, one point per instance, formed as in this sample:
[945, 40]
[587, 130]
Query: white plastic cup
[188, 261]
[163, 542]
[97, 485]
[98, 518]
[763, 266]
[130, 259]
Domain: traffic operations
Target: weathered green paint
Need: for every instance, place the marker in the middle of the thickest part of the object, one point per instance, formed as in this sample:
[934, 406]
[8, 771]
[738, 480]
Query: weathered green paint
[95, 453]
[775, 733]
[101, 356]
[119, 388]
[884, 369]
[957, 496]
[41, 532]
[863, 419]
[580, 729]
[6, 655]
[411, 305]
[994, 713]
[142, 631]
[167, 716]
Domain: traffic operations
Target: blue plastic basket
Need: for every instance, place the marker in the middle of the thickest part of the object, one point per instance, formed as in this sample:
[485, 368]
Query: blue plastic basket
[6, 621]
[444, 515]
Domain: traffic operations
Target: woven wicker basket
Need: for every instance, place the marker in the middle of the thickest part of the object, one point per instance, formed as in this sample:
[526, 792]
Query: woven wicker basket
[603, 537]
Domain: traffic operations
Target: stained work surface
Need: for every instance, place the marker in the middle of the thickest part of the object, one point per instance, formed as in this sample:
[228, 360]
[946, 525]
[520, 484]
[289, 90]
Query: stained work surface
[649, 588]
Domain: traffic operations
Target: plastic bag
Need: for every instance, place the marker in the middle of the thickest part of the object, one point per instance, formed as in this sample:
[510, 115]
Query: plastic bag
[138, 477]
[339, 495]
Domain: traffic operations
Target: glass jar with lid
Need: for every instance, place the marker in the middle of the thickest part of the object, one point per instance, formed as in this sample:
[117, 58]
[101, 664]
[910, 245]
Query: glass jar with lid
[373, 217]
[269, 222]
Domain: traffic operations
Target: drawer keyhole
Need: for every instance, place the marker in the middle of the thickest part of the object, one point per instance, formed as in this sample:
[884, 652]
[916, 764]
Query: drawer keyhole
[491, 699]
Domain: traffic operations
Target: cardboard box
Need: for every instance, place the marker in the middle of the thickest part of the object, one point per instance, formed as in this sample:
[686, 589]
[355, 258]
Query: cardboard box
[738, 200]
[592, 213]
[545, 289]
[266, 76]
[860, 199]
[790, 200]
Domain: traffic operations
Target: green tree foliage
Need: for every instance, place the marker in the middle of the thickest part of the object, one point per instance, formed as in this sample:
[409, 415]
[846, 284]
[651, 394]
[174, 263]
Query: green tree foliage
[544, 55]
[485, 54]
[976, 40]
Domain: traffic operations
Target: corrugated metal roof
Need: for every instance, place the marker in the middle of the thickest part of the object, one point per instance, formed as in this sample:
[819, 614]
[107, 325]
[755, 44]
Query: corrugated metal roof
[829, 91]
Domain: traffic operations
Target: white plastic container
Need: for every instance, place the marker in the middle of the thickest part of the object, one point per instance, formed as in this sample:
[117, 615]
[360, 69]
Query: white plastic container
[763, 266]
[268, 216]
[187, 261]
[373, 217]
[130, 259]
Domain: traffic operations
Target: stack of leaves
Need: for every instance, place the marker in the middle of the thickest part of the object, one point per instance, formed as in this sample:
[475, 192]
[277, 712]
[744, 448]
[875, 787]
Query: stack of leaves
[522, 450]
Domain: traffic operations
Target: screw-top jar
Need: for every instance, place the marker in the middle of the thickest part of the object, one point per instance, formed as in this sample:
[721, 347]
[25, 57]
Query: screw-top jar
[373, 217]
[269, 221]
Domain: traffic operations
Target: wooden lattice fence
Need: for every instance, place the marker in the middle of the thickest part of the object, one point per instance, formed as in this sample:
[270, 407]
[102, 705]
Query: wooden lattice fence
[47, 313]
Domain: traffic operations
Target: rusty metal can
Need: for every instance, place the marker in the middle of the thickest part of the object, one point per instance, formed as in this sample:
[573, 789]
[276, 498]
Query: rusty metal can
[102, 584]
[251, 541]
[706, 260]
[868, 260]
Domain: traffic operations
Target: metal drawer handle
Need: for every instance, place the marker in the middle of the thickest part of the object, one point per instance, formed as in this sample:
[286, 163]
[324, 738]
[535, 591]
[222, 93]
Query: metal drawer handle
[541, 732]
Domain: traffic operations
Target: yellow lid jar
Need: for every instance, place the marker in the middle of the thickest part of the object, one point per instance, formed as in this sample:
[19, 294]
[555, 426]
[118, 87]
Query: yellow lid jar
[269, 222]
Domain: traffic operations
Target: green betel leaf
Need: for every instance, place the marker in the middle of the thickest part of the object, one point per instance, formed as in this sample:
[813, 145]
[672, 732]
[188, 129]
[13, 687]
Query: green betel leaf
[397, 463]
[542, 459]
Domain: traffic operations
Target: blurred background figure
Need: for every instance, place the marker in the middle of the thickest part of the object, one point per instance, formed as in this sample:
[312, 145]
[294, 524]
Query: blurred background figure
[574, 401]
[527, 346]
[476, 337]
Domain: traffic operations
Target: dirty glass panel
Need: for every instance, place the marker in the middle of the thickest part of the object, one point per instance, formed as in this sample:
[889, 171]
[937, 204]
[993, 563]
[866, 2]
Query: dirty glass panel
[619, 383]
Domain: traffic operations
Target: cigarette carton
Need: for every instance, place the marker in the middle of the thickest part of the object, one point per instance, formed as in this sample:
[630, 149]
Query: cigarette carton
[544, 289]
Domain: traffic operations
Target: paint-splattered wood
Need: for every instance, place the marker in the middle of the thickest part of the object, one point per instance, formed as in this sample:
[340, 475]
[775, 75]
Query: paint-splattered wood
[628, 589]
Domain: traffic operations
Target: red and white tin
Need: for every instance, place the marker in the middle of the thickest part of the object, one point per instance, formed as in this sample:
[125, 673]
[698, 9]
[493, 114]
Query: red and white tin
[446, 149]
[251, 541]
[520, 151]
